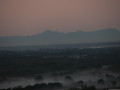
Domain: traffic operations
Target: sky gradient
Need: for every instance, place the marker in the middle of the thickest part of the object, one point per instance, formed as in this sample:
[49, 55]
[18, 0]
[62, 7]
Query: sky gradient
[28, 17]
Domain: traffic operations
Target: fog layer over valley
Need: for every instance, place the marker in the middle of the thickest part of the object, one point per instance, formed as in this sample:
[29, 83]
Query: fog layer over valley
[101, 78]
[69, 67]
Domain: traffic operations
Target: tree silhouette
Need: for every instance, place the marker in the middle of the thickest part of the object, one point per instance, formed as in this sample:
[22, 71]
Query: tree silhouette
[100, 81]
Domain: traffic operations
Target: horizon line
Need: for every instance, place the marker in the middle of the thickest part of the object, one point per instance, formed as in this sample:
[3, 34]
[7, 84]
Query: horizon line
[48, 30]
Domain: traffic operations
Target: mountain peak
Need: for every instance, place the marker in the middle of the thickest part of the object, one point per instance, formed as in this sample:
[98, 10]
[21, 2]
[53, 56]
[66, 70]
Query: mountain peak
[51, 32]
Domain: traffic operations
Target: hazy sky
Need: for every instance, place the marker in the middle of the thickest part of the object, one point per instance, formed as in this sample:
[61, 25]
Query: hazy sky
[27, 17]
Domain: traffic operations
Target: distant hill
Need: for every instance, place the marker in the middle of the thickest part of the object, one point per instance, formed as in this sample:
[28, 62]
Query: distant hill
[53, 37]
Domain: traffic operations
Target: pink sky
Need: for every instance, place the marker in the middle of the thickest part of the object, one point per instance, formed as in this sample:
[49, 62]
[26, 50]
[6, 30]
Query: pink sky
[28, 17]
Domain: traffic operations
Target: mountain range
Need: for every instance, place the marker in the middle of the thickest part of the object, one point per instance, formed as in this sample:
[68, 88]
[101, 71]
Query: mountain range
[53, 37]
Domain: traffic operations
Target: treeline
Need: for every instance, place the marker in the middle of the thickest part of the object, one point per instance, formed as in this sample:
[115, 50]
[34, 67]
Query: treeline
[42, 86]
[52, 86]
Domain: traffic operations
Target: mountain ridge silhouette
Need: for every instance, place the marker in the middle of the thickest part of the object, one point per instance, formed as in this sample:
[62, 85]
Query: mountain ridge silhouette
[55, 37]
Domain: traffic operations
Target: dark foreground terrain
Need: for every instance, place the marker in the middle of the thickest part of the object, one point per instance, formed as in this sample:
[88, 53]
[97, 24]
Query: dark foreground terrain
[66, 65]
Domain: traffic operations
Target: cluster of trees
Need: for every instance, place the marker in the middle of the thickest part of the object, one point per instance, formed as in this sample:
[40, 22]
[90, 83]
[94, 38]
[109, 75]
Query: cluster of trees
[84, 88]
[52, 86]
[42, 86]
